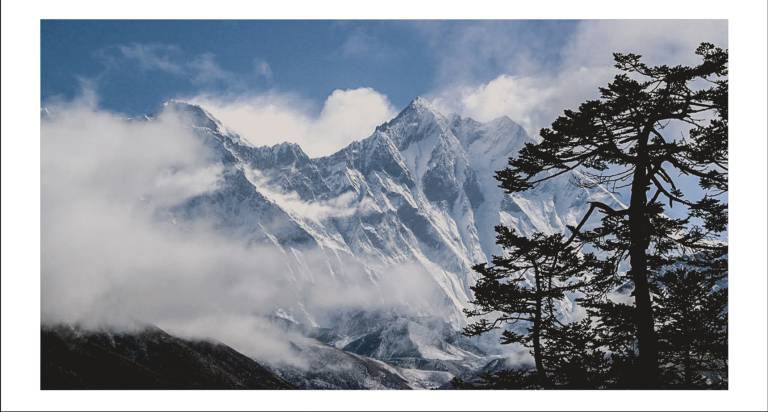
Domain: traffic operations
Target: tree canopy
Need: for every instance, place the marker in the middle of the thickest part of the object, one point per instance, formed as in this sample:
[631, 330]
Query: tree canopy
[659, 135]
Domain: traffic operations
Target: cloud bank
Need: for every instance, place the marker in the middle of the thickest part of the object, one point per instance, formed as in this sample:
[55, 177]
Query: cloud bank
[272, 118]
[111, 256]
[534, 92]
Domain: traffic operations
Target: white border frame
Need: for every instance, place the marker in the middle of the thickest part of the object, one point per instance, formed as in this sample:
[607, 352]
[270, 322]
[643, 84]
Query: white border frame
[21, 206]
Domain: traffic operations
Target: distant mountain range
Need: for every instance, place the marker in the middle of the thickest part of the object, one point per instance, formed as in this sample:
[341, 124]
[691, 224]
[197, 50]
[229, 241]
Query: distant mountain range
[419, 190]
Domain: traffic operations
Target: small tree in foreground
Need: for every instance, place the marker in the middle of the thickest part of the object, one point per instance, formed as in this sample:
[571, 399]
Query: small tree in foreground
[522, 288]
[693, 324]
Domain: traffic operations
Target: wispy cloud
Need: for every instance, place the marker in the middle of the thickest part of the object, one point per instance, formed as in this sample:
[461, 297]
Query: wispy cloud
[363, 44]
[161, 57]
[202, 69]
[263, 69]
[205, 69]
[477, 51]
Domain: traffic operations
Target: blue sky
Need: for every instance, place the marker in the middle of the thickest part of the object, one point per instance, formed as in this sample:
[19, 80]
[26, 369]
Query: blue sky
[400, 59]
[323, 84]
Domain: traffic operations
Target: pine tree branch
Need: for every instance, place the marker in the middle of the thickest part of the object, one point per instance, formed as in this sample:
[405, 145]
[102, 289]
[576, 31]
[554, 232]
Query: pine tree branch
[592, 206]
[670, 196]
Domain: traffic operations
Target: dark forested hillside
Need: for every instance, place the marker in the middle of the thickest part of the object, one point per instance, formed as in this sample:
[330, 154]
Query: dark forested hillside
[149, 359]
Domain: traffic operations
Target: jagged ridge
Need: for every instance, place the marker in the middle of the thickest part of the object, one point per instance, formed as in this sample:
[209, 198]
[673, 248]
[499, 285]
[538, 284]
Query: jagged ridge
[419, 189]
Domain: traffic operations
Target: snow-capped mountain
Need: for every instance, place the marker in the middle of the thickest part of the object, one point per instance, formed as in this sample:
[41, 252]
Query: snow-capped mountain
[420, 191]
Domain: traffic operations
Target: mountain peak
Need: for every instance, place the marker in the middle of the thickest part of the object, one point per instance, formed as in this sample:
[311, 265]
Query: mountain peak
[199, 116]
[501, 119]
[284, 153]
[180, 104]
[419, 109]
[288, 147]
[504, 122]
[420, 103]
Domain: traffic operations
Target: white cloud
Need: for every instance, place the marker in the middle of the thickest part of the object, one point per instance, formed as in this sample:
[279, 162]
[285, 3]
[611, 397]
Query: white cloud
[472, 51]
[263, 69]
[272, 118]
[291, 202]
[534, 94]
[111, 256]
[512, 96]
[658, 41]
[97, 152]
[153, 56]
[205, 69]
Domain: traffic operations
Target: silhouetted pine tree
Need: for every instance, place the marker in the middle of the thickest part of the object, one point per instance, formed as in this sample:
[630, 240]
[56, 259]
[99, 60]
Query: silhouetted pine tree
[520, 289]
[651, 129]
[692, 318]
[613, 326]
[575, 358]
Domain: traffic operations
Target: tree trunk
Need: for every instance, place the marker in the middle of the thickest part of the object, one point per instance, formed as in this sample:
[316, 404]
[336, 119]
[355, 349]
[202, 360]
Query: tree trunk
[537, 355]
[639, 241]
[687, 369]
[688, 329]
